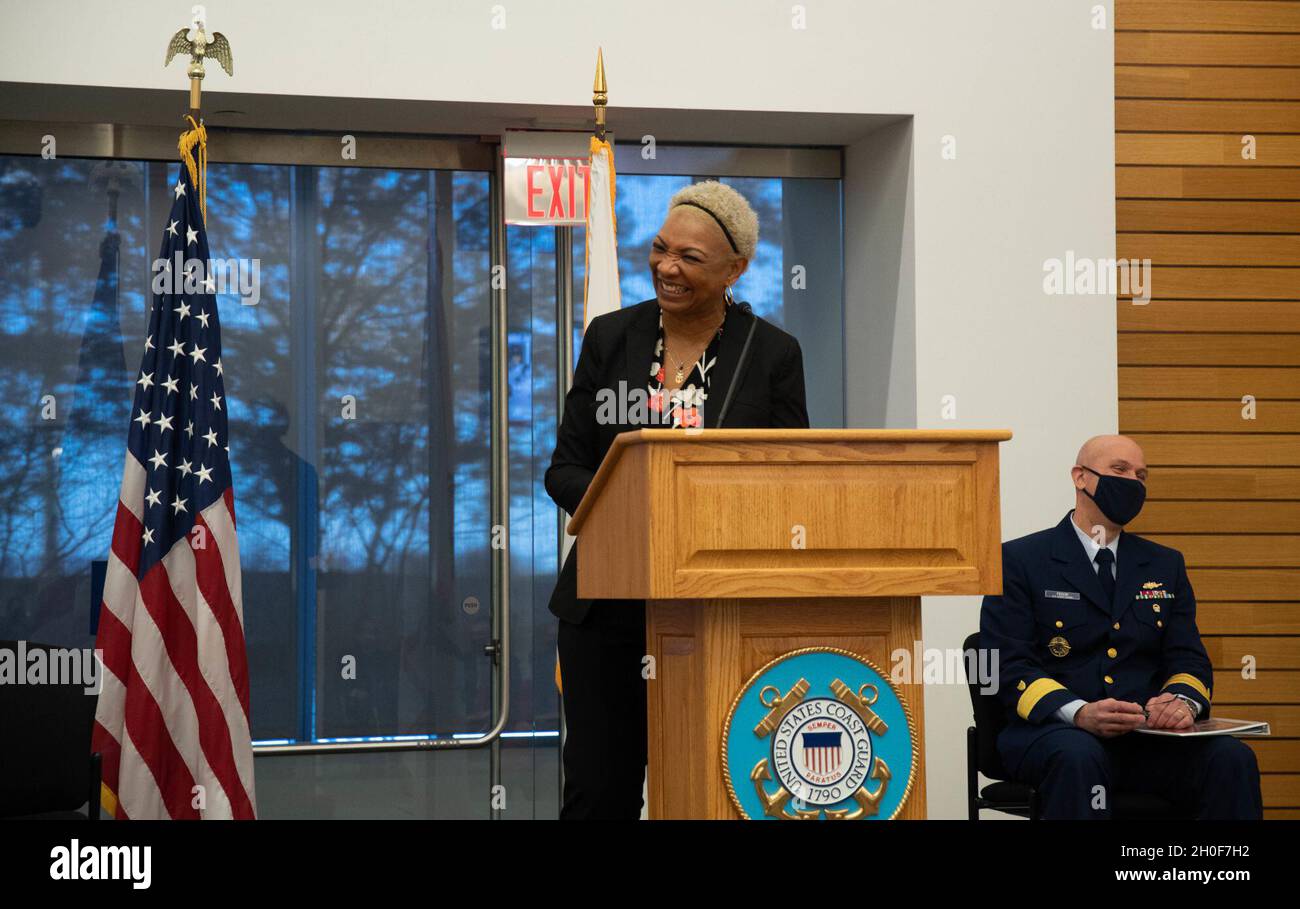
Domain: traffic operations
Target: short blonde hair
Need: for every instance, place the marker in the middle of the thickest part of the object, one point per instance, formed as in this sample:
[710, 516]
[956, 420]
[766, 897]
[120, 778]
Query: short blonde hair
[729, 209]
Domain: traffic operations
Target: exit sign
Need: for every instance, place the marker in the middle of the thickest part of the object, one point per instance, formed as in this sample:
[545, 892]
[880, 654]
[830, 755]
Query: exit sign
[546, 190]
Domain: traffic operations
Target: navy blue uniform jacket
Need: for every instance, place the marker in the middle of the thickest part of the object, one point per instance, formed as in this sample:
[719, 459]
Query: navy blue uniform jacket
[1058, 639]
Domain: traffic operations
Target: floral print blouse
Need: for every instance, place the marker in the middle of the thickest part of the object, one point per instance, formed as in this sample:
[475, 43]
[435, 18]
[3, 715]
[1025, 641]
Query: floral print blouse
[683, 407]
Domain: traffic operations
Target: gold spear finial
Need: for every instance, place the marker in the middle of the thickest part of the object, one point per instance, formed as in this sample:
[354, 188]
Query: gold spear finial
[599, 95]
[199, 43]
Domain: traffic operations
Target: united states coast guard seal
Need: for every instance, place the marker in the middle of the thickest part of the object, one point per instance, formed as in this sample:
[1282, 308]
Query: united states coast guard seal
[819, 733]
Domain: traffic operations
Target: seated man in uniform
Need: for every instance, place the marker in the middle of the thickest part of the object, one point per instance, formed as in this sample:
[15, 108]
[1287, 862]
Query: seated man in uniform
[1096, 637]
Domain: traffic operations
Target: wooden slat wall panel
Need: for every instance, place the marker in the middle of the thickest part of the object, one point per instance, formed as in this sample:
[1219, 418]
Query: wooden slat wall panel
[1227, 617]
[1196, 148]
[1151, 348]
[1221, 321]
[1253, 117]
[1205, 49]
[1208, 416]
[1234, 483]
[1214, 282]
[1248, 583]
[1208, 382]
[1207, 217]
[1267, 687]
[1208, 16]
[1230, 654]
[1210, 249]
[1253, 83]
[1220, 516]
[1276, 755]
[1209, 449]
[1214, 316]
[1210, 550]
[1281, 789]
[1136, 182]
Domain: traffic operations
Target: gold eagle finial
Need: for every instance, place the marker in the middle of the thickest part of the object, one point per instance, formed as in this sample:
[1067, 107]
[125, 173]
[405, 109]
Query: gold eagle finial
[199, 43]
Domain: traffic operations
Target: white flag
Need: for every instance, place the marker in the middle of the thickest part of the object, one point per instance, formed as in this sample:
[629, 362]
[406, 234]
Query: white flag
[600, 292]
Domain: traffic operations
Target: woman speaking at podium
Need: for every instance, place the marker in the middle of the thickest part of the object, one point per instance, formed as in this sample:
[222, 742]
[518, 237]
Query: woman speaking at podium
[692, 357]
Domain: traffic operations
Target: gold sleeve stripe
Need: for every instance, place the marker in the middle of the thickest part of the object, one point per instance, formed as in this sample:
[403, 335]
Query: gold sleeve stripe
[1037, 690]
[1185, 678]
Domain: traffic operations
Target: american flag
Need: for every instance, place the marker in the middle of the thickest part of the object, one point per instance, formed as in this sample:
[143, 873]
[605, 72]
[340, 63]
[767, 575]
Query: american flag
[172, 719]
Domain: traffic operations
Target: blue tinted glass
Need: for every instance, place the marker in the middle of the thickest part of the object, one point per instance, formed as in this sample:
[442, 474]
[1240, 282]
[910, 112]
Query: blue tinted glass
[358, 389]
[359, 399]
[72, 269]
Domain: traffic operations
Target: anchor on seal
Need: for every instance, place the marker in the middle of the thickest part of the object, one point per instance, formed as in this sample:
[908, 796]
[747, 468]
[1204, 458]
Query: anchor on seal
[778, 804]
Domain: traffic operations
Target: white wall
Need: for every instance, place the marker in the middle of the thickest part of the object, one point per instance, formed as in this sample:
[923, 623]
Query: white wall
[1025, 87]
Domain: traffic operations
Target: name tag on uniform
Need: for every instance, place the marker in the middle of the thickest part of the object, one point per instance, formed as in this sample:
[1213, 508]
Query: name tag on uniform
[1061, 594]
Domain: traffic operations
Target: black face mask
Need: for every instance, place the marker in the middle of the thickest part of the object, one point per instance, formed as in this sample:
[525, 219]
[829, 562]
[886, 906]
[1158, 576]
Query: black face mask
[1119, 498]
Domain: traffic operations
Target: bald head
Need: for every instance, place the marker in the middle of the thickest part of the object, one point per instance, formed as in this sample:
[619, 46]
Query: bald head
[1117, 455]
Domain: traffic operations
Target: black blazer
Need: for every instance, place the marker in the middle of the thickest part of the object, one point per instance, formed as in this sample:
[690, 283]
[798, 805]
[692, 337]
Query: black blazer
[619, 347]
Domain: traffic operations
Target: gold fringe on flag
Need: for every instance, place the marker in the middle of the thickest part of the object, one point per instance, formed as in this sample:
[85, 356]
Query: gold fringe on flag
[197, 136]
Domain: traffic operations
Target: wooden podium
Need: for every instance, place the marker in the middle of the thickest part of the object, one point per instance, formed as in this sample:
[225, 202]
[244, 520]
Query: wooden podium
[750, 543]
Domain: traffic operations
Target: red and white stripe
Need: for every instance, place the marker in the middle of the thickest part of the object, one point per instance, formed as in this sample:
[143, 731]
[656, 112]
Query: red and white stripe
[173, 710]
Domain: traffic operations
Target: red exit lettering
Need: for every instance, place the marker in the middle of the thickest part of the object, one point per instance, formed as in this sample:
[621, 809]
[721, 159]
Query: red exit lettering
[560, 181]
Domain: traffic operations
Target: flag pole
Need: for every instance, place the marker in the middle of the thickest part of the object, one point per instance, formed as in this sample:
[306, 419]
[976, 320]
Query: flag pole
[199, 44]
[600, 94]
[204, 768]
[600, 178]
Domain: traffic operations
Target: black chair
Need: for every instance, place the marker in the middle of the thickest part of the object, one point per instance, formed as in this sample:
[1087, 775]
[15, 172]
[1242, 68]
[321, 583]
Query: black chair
[46, 768]
[1021, 799]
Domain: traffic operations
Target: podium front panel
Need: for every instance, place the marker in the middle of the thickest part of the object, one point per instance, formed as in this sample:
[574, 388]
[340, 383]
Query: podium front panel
[804, 519]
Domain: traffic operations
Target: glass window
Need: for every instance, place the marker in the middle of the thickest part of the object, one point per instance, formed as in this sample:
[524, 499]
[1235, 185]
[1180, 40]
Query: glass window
[359, 385]
[358, 393]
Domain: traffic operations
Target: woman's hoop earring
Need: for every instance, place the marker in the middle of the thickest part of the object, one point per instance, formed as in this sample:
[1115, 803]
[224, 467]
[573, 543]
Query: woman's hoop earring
[728, 297]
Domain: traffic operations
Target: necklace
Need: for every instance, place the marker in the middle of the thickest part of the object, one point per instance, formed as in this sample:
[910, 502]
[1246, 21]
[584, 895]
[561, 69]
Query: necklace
[680, 375]
[681, 367]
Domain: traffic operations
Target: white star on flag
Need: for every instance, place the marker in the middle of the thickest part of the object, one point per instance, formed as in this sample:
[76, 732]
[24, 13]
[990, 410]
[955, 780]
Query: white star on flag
[172, 715]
